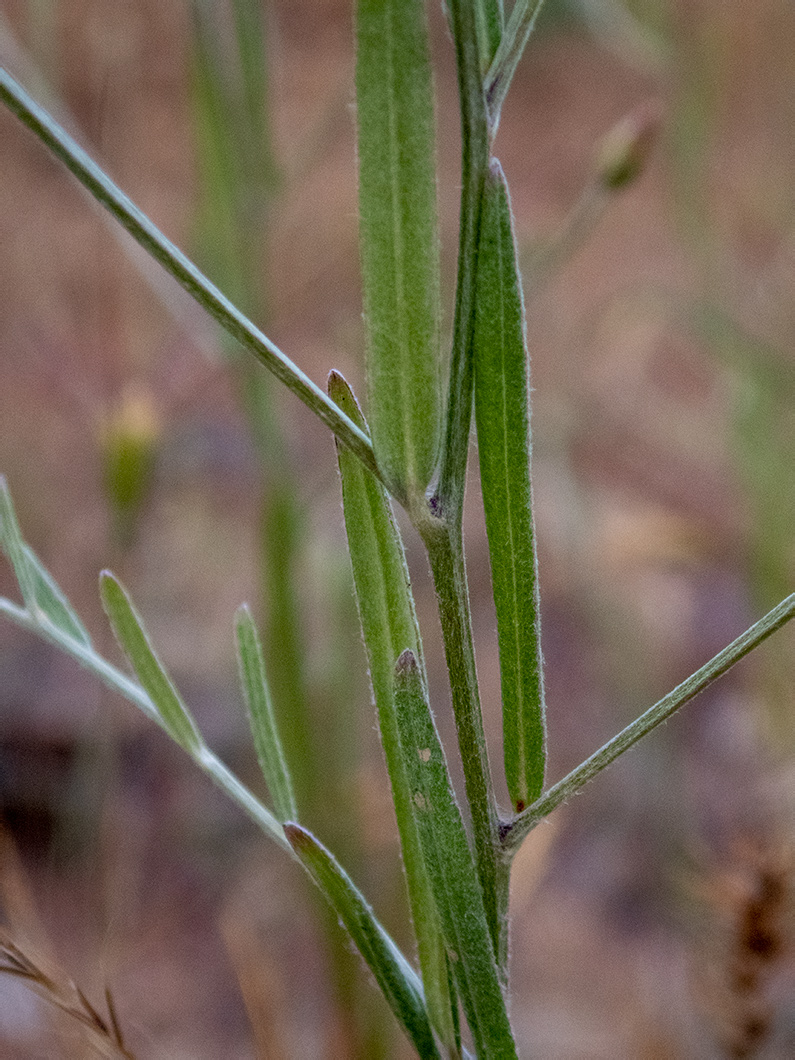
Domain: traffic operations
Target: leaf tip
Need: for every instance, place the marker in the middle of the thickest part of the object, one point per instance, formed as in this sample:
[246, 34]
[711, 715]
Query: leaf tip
[298, 837]
[107, 582]
[341, 393]
[407, 666]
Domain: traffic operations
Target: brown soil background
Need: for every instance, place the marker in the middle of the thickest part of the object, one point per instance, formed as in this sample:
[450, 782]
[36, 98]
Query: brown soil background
[660, 539]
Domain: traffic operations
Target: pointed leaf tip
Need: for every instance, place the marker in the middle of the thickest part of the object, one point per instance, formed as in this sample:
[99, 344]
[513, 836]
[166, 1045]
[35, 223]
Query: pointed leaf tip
[134, 641]
[406, 665]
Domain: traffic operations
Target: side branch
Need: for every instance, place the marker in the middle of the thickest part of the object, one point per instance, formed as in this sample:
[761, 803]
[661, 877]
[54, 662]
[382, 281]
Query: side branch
[102, 188]
[514, 833]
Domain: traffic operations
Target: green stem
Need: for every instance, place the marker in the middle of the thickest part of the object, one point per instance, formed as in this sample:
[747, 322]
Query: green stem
[130, 690]
[181, 268]
[516, 35]
[474, 166]
[449, 575]
[517, 830]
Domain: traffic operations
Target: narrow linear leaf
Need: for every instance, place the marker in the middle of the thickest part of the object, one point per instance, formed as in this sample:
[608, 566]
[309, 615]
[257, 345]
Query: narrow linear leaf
[450, 865]
[502, 415]
[389, 624]
[514, 40]
[394, 975]
[41, 593]
[490, 22]
[14, 547]
[134, 642]
[264, 730]
[132, 691]
[51, 600]
[399, 241]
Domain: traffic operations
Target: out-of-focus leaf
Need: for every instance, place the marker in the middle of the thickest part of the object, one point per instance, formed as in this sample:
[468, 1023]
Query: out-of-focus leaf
[394, 975]
[399, 242]
[502, 414]
[450, 866]
[134, 642]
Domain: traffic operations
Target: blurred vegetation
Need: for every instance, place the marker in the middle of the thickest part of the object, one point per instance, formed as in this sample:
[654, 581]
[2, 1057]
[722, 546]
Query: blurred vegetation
[663, 369]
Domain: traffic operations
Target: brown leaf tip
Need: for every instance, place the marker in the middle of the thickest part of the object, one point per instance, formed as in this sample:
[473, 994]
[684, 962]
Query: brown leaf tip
[406, 666]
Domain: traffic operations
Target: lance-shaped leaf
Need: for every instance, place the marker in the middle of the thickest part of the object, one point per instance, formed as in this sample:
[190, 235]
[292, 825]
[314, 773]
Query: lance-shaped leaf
[450, 866]
[264, 730]
[395, 976]
[134, 642]
[14, 547]
[389, 624]
[502, 414]
[398, 237]
[40, 592]
[490, 24]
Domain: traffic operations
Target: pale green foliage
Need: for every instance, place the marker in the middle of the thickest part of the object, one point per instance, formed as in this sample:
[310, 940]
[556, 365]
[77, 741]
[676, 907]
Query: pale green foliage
[502, 414]
[399, 244]
[457, 874]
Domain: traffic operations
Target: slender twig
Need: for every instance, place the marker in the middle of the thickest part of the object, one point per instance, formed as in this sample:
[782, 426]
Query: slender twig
[181, 267]
[56, 988]
[119, 682]
[515, 832]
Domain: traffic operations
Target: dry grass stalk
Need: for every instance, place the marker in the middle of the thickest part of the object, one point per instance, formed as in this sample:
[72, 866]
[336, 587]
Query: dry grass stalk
[754, 899]
[103, 1034]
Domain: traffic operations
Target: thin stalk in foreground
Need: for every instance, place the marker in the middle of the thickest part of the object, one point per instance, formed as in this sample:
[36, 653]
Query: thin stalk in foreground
[518, 829]
[181, 267]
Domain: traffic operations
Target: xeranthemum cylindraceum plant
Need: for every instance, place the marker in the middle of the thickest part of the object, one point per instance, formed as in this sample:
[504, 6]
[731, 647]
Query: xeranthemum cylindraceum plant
[412, 449]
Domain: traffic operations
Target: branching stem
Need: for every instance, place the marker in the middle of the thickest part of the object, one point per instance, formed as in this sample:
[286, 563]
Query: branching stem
[518, 829]
[181, 267]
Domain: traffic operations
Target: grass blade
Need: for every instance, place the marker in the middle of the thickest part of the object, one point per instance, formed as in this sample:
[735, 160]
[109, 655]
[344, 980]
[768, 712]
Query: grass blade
[394, 975]
[267, 742]
[389, 625]
[102, 188]
[134, 642]
[399, 241]
[502, 414]
[450, 865]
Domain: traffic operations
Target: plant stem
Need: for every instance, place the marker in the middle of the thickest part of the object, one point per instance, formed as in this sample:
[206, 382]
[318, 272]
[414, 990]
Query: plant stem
[132, 691]
[443, 535]
[474, 166]
[516, 35]
[517, 830]
[447, 565]
[181, 267]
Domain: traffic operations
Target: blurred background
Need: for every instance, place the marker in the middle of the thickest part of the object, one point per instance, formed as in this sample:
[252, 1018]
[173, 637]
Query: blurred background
[134, 436]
